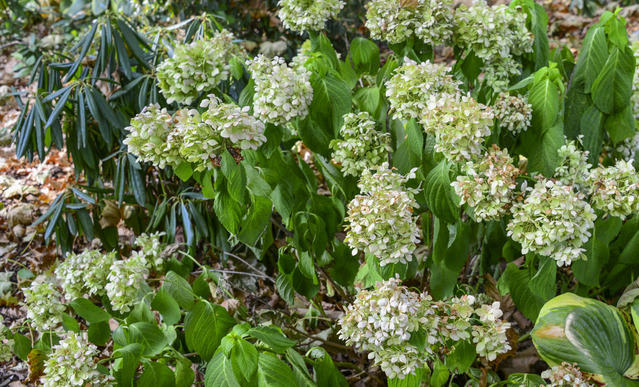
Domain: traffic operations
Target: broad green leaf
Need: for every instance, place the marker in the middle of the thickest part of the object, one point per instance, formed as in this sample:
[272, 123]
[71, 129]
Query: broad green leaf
[592, 128]
[409, 380]
[149, 335]
[365, 56]
[228, 211]
[205, 326]
[256, 221]
[620, 126]
[597, 253]
[179, 289]
[235, 177]
[272, 337]
[300, 371]
[326, 374]
[616, 28]
[541, 150]
[184, 374]
[167, 306]
[89, 311]
[462, 357]
[525, 380]
[156, 375]
[544, 98]
[184, 171]
[331, 101]
[99, 333]
[518, 282]
[284, 285]
[612, 89]
[440, 374]
[273, 372]
[591, 60]
[587, 332]
[130, 355]
[21, 346]
[439, 195]
[245, 354]
[219, 373]
[543, 283]
[368, 99]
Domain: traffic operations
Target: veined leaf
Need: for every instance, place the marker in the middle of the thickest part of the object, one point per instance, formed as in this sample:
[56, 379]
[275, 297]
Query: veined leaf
[612, 89]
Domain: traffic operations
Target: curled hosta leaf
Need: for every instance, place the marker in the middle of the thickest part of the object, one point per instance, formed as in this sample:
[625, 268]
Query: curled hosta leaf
[590, 333]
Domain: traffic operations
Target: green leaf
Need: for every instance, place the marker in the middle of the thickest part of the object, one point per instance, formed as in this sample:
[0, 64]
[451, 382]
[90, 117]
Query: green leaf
[205, 326]
[462, 357]
[245, 354]
[284, 285]
[525, 380]
[326, 373]
[591, 60]
[273, 372]
[518, 282]
[219, 372]
[440, 374]
[156, 375]
[99, 333]
[616, 28]
[544, 98]
[542, 150]
[167, 306]
[179, 289]
[592, 128]
[99, 6]
[89, 311]
[21, 346]
[409, 380]
[365, 56]
[300, 371]
[439, 195]
[368, 99]
[620, 126]
[543, 283]
[149, 335]
[256, 221]
[331, 101]
[272, 337]
[58, 108]
[131, 355]
[587, 332]
[235, 177]
[228, 211]
[184, 374]
[70, 324]
[612, 89]
[184, 171]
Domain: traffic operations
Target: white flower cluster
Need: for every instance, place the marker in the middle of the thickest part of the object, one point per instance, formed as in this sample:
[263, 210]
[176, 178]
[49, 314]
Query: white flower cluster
[308, 15]
[553, 220]
[363, 147]
[6, 344]
[488, 186]
[44, 306]
[151, 248]
[72, 363]
[204, 137]
[397, 20]
[126, 277]
[573, 168]
[460, 128]
[490, 337]
[615, 189]
[383, 320]
[381, 221]
[568, 375]
[514, 113]
[495, 35]
[190, 136]
[282, 93]
[429, 94]
[629, 147]
[85, 273]
[417, 88]
[150, 135]
[198, 67]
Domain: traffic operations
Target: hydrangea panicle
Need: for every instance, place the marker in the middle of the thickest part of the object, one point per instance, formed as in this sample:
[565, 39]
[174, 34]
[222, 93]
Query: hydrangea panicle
[362, 147]
[151, 248]
[615, 189]
[308, 15]
[397, 20]
[568, 375]
[514, 113]
[85, 273]
[553, 220]
[73, 364]
[126, 278]
[488, 185]
[44, 306]
[198, 67]
[282, 93]
[573, 168]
